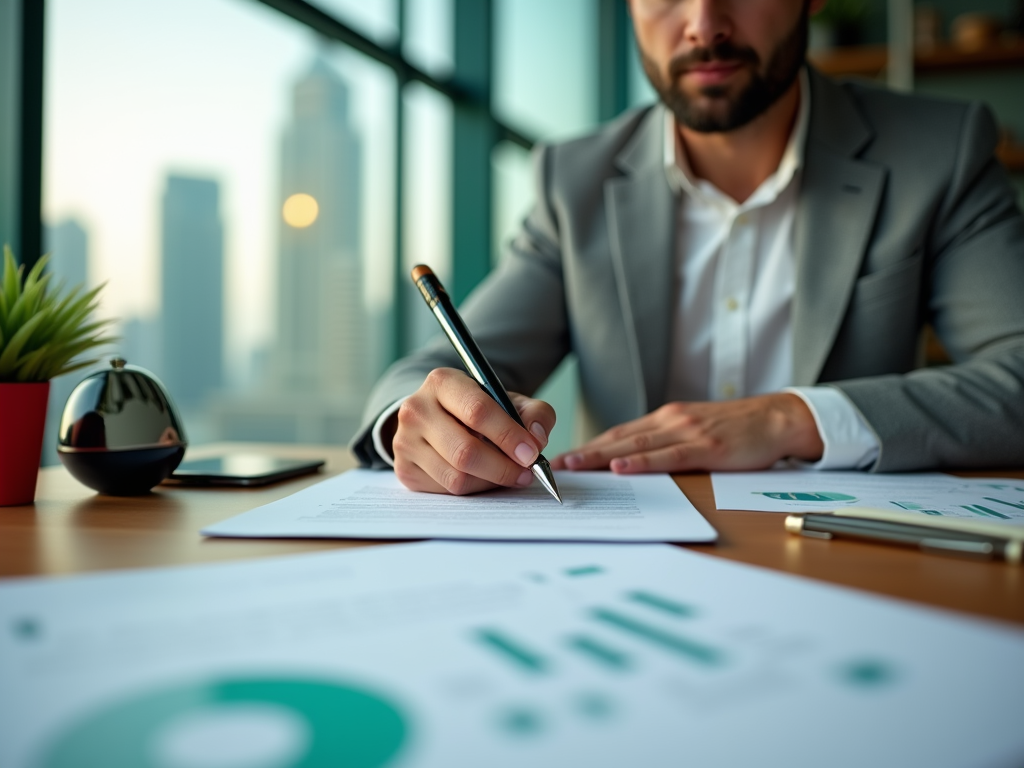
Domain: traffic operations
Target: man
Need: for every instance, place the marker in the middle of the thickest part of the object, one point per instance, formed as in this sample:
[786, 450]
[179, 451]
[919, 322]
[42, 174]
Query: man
[743, 272]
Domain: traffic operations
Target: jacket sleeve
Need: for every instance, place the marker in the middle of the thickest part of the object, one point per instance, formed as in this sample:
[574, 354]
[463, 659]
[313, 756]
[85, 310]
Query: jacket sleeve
[970, 413]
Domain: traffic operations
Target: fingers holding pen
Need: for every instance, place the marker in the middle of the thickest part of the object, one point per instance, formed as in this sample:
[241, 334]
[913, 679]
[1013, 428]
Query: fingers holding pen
[428, 471]
[414, 477]
[449, 440]
[538, 416]
[434, 453]
[463, 398]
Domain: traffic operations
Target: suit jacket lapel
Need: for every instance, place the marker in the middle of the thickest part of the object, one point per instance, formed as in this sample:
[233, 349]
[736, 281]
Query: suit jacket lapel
[839, 199]
[641, 222]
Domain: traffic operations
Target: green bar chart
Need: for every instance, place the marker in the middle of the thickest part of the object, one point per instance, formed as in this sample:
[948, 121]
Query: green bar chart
[512, 650]
[983, 511]
[601, 652]
[691, 650]
[663, 604]
[584, 570]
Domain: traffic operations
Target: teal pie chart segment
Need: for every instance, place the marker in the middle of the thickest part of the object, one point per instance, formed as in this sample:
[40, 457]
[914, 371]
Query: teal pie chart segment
[237, 723]
[807, 495]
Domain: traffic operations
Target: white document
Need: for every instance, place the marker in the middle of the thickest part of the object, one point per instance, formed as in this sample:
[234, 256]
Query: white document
[367, 504]
[452, 655]
[993, 500]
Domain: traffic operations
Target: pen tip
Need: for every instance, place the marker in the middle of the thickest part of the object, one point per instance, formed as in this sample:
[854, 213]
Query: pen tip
[542, 471]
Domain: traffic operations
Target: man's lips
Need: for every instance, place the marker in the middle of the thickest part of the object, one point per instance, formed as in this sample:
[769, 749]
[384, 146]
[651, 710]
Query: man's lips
[712, 72]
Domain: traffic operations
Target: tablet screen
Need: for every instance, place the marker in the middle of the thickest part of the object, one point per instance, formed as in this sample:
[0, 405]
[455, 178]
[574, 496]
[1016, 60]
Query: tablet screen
[241, 469]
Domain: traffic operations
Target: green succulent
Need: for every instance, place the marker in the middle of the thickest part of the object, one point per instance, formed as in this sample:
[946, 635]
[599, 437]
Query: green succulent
[44, 328]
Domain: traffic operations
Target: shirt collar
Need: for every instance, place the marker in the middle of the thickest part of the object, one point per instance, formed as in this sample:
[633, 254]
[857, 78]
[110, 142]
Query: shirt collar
[681, 178]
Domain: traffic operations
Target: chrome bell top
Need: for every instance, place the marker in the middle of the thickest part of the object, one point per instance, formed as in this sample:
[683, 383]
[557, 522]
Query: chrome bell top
[123, 408]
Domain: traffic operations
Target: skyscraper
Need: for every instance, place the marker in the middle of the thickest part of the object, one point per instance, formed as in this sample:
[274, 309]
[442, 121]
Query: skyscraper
[318, 371]
[321, 344]
[68, 246]
[192, 285]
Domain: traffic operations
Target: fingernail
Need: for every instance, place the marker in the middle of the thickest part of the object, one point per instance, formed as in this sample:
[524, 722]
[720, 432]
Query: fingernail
[538, 431]
[573, 460]
[525, 478]
[526, 454]
[619, 465]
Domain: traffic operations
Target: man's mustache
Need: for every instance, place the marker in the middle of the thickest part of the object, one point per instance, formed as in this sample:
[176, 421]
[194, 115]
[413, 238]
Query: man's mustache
[725, 51]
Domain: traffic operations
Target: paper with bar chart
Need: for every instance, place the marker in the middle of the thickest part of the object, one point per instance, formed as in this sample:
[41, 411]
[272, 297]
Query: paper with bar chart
[363, 503]
[990, 499]
[452, 654]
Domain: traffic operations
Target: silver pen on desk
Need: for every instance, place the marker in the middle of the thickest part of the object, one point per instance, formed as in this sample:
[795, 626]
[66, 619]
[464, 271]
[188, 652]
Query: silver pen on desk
[476, 364]
[926, 538]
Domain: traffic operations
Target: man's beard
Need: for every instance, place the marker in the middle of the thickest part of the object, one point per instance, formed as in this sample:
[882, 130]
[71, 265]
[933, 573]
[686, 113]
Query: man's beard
[724, 114]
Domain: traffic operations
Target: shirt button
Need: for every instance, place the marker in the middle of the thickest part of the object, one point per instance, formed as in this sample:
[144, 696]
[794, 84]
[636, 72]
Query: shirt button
[731, 304]
[742, 220]
[728, 390]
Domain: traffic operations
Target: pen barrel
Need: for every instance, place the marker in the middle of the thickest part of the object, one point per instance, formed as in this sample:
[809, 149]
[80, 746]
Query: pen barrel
[927, 537]
[465, 345]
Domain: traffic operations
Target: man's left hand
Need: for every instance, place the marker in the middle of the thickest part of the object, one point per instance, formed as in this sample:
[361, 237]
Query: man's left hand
[747, 434]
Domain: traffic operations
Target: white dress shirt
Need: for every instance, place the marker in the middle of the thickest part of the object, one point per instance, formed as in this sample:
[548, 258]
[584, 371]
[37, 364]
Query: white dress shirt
[735, 275]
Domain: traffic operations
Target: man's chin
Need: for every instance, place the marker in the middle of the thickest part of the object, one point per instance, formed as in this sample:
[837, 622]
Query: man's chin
[715, 108]
[706, 122]
[705, 113]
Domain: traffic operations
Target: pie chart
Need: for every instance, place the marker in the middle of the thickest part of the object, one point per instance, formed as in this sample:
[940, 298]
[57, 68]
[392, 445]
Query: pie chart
[236, 723]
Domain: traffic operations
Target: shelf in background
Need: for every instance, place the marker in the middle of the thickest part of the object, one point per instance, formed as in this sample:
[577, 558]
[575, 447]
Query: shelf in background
[1011, 155]
[864, 60]
[870, 60]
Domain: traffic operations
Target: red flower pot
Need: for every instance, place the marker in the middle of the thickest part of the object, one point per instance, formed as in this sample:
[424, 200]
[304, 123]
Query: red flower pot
[22, 420]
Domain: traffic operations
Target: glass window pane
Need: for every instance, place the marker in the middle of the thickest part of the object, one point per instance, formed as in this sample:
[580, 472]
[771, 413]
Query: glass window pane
[513, 192]
[429, 36]
[174, 146]
[376, 19]
[427, 201]
[545, 60]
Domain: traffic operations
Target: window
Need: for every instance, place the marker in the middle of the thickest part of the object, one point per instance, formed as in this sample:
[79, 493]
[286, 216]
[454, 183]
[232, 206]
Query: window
[233, 183]
[253, 182]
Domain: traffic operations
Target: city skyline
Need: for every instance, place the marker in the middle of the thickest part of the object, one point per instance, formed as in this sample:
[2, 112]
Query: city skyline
[192, 290]
[317, 368]
[320, 361]
[321, 342]
[124, 109]
[216, 113]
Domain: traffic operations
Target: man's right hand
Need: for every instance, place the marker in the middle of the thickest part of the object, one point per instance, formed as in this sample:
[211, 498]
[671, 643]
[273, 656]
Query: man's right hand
[450, 436]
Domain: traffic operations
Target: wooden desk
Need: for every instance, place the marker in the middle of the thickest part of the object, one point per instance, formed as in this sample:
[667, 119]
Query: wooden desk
[72, 530]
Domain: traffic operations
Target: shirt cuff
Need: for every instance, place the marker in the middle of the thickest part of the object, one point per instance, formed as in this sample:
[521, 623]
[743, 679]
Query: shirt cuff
[849, 441]
[378, 427]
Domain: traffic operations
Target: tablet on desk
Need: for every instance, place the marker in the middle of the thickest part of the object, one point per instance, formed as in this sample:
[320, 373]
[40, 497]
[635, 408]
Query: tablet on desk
[241, 469]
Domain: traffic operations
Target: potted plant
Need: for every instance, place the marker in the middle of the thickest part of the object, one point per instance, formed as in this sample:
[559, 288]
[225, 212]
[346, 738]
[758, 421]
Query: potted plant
[43, 331]
[838, 24]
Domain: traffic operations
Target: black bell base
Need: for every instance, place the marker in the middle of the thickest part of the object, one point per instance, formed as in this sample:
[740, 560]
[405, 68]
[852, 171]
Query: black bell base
[123, 473]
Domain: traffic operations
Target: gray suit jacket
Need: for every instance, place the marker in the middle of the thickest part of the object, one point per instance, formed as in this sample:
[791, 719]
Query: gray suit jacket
[904, 218]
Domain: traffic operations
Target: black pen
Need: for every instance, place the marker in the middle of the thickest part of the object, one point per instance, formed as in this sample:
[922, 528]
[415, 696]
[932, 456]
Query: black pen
[927, 538]
[476, 364]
